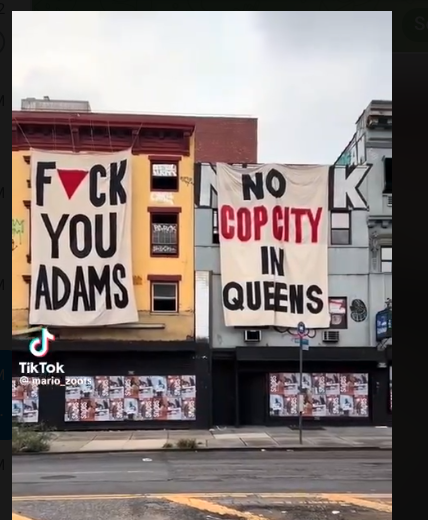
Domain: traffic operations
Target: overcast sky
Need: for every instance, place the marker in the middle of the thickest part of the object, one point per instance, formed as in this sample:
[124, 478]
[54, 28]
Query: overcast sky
[305, 76]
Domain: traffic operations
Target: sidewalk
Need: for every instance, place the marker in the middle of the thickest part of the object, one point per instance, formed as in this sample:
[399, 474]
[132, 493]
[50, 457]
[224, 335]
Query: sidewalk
[358, 438]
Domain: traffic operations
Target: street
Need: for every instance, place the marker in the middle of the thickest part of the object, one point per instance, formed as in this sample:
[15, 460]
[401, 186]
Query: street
[210, 485]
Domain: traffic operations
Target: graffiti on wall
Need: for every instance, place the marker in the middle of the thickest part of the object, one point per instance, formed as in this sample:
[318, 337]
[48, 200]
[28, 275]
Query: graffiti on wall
[358, 310]
[344, 186]
[18, 228]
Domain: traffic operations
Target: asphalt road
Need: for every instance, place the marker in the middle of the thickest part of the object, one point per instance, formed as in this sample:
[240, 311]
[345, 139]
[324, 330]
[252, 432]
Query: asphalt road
[212, 472]
[203, 486]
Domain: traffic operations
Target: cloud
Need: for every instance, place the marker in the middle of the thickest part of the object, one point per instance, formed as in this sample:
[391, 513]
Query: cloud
[306, 76]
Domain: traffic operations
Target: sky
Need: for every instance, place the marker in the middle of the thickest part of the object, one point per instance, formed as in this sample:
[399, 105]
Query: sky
[306, 76]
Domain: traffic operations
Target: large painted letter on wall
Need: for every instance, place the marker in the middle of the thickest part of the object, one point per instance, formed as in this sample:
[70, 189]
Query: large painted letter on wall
[81, 267]
[273, 243]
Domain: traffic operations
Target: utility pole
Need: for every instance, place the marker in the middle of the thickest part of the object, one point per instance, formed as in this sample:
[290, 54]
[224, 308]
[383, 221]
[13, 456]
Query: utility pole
[302, 333]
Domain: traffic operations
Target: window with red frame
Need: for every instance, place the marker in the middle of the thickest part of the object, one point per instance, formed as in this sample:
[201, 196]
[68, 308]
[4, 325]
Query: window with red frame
[164, 233]
[164, 176]
[164, 297]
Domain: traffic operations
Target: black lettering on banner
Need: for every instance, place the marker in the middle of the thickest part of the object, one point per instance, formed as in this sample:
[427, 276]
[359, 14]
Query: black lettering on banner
[273, 296]
[42, 179]
[117, 191]
[54, 234]
[269, 295]
[100, 284]
[234, 301]
[58, 301]
[297, 301]
[99, 236]
[56, 289]
[97, 198]
[281, 297]
[317, 305]
[119, 272]
[275, 182]
[42, 289]
[254, 297]
[86, 249]
[272, 262]
[83, 289]
[80, 291]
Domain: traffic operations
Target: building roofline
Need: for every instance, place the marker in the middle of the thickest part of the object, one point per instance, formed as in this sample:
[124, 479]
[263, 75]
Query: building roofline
[101, 119]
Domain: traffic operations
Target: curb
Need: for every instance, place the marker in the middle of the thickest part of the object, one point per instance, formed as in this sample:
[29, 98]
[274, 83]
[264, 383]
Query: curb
[289, 449]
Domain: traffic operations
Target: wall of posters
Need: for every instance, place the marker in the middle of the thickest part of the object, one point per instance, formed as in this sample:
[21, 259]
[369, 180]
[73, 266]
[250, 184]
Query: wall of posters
[25, 401]
[325, 395]
[131, 398]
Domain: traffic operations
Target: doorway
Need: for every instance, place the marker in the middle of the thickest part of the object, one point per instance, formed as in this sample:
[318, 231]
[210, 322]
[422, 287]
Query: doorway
[252, 399]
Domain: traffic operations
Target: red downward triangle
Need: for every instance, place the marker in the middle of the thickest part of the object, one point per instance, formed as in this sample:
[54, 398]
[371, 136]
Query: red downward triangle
[71, 180]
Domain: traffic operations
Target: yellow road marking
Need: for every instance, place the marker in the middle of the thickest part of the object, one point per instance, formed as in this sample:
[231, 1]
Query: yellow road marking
[279, 496]
[19, 517]
[57, 498]
[354, 500]
[210, 507]
[243, 495]
[200, 499]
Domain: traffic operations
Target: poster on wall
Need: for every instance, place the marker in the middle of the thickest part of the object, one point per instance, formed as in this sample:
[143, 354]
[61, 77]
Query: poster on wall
[131, 398]
[25, 401]
[81, 256]
[273, 225]
[325, 395]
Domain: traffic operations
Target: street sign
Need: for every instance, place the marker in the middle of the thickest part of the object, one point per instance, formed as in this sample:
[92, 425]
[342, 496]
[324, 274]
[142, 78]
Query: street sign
[301, 328]
[384, 324]
[304, 342]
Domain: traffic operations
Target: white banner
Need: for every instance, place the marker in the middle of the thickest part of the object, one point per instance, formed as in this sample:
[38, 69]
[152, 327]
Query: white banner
[81, 248]
[273, 223]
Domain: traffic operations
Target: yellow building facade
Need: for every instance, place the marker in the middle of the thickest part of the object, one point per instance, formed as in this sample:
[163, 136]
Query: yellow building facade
[162, 217]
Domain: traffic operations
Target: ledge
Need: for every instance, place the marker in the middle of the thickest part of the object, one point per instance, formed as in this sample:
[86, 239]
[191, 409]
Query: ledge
[384, 220]
[164, 277]
[165, 158]
[162, 210]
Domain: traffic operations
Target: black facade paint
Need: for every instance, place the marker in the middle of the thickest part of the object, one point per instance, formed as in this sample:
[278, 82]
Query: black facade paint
[121, 358]
[249, 369]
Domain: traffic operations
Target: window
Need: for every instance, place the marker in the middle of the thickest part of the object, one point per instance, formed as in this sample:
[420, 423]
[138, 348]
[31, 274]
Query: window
[340, 228]
[164, 231]
[164, 176]
[164, 297]
[338, 308]
[216, 235]
[388, 175]
[386, 259]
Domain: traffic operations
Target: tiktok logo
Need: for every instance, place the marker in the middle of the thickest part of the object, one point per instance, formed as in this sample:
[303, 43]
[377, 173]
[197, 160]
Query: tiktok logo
[39, 347]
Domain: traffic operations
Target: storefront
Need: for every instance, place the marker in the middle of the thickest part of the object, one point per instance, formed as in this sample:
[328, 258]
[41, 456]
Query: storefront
[260, 386]
[115, 385]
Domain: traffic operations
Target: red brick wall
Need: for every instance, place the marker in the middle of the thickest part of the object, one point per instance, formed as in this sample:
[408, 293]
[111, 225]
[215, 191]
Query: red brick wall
[226, 139]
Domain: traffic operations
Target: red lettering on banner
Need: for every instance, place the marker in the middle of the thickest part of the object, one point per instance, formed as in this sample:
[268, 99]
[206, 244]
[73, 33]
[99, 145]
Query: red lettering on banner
[247, 224]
